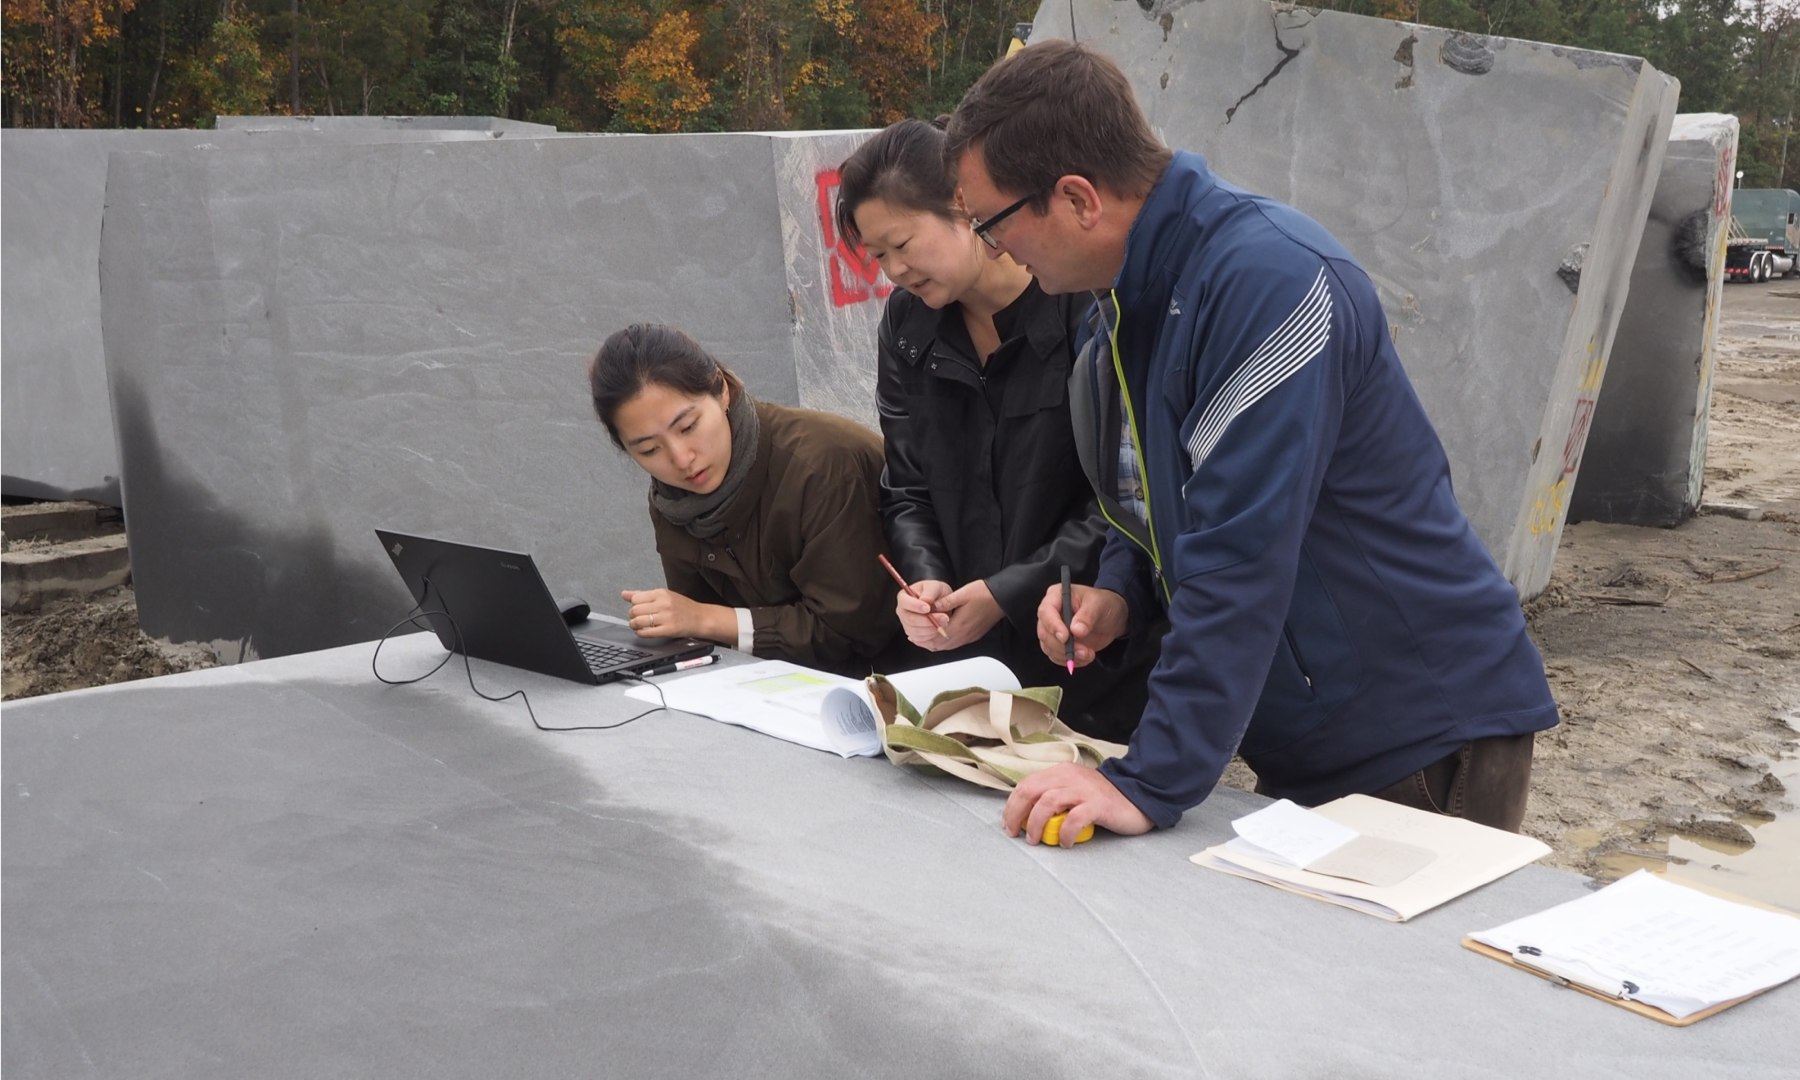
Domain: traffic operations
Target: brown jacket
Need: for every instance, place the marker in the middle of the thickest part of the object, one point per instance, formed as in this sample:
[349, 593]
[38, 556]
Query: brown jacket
[799, 545]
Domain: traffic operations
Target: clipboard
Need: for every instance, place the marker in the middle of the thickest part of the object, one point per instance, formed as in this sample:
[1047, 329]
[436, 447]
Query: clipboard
[1574, 980]
[1627, 1004]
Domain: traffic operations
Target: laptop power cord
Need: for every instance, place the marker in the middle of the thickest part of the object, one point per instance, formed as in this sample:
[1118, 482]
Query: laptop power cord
[418, 613]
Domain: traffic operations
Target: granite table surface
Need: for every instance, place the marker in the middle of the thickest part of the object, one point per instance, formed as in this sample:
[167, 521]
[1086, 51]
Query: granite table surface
[287, 868]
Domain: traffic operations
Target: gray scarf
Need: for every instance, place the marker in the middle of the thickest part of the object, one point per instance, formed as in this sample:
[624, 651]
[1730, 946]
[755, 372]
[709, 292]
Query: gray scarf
[703, 516]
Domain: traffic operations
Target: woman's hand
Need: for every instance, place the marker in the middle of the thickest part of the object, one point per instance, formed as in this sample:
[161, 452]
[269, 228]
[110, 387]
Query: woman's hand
[661, 613]
[919, 617]
[944, 618]
[973, 612]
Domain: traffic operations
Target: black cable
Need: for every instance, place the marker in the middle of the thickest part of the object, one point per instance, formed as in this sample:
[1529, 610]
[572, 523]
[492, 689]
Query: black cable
[418, 613]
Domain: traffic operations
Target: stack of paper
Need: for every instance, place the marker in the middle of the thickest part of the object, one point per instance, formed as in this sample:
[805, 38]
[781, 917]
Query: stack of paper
[1651, 941]
[814, 708]
[1370, 855]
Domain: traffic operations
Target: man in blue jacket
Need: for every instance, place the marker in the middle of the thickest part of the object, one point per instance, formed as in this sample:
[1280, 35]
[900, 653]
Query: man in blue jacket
[1271, 478]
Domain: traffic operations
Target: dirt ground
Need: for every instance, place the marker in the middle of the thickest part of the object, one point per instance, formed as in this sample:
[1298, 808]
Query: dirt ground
[71, 644]
[1674, 654]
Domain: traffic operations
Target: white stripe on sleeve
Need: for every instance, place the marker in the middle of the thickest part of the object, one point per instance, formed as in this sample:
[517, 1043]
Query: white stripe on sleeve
[1299, 338]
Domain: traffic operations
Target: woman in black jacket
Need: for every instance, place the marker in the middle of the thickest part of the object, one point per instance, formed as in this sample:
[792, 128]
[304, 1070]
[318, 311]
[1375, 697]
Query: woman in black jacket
[982, 496]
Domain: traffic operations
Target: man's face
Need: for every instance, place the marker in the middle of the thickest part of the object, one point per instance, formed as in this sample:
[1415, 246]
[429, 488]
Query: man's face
[1050, 245]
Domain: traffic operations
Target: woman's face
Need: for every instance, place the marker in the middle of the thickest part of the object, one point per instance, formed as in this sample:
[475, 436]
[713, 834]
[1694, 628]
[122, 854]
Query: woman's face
[935, 260]
[683, 440]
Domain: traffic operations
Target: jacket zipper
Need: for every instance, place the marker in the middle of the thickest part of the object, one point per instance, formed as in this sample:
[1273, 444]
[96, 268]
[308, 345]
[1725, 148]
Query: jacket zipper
[1137, 448]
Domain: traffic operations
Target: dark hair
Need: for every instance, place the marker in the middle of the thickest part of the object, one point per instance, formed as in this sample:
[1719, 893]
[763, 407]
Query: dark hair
[902, 164]
[643, 354]
[1051, 110]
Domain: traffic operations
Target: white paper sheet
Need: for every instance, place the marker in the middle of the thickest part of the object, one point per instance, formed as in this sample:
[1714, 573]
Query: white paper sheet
[1650, 940]
[1288, 833]
[774, 697]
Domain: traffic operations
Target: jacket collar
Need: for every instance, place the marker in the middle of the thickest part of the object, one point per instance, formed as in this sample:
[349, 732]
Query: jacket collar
[1157, 240]
[1042, 323]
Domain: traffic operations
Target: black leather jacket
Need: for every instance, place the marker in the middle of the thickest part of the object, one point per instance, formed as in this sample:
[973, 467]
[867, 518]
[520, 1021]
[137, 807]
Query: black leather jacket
[982, 481]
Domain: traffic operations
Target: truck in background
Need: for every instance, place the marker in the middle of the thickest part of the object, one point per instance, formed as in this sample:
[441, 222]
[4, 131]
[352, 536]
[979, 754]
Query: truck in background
[1765, 234]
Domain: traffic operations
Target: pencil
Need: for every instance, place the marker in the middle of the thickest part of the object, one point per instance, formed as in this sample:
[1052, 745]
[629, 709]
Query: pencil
[910, 591]
[1068, 614]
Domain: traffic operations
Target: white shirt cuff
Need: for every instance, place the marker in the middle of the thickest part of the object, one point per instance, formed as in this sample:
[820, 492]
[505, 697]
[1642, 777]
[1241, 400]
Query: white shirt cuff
[746, 630]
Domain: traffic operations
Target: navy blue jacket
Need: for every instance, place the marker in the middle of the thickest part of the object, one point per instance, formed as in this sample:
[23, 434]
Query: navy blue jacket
[1334, 617]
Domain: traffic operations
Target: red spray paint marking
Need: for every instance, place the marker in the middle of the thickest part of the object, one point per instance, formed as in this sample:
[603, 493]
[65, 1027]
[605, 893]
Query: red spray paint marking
[854, 276]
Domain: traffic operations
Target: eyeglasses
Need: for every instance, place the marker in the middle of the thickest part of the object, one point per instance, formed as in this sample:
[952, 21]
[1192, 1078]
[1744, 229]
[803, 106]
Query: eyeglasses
[981, 227]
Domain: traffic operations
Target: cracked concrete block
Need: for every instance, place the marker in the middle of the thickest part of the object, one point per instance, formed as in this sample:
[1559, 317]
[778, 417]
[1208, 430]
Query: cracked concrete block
[1646, 452]
[304, 345]
[1494, 189]
[58, 429]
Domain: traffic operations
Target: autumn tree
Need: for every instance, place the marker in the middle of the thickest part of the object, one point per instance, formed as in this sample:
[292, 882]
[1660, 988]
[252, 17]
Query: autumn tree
[592, 39]
[756, 36]
[46, 43]
[694, 65]
[893, 44]
[822, 89]
[658, 89]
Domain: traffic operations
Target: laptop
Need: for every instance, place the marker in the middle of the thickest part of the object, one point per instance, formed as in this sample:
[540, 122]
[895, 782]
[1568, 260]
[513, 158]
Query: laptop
[507, 615]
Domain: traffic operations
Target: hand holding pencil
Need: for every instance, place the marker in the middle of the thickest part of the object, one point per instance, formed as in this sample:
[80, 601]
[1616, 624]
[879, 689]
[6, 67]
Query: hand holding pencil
[911, 616]
[1068, 616]
[1076, 622]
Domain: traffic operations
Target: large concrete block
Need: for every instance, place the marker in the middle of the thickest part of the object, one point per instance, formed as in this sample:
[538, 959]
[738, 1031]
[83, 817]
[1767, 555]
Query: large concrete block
[837, 291]
[1494, 189]
[1646, 452]
[493, 125]
[306, 345]
[58, 429]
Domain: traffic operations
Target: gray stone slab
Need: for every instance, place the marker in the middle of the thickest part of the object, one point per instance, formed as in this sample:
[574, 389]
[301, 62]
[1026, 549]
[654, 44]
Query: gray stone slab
[496, 125]
[57, 424]
[286, 869]
[838, 291]
[1646, 452]
[1463, 172]
[305, 346]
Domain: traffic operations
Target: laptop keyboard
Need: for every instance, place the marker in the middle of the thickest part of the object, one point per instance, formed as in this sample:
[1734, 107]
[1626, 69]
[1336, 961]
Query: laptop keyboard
[604, 656]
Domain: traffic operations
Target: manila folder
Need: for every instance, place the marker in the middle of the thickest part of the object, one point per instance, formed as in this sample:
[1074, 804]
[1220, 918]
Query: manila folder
[1468, 856]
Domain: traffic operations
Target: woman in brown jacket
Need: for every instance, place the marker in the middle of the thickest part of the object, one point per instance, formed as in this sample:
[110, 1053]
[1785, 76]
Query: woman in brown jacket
[767, 518]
